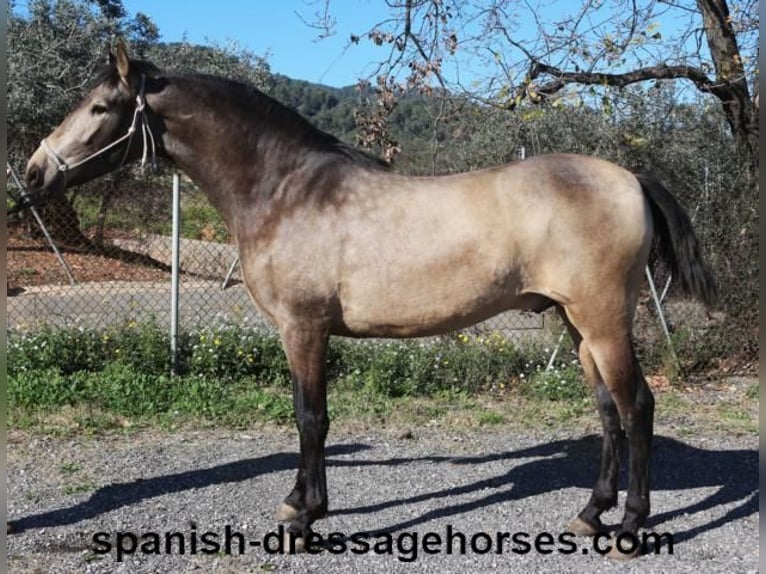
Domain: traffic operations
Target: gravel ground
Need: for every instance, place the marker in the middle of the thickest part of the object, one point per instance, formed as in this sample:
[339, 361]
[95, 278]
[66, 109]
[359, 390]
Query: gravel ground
[63, 491]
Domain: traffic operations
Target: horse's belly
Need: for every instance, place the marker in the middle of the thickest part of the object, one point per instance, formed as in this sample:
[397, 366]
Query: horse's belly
[427, 305]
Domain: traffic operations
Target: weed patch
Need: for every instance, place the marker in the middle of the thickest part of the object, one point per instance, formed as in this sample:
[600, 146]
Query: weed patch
[235, 375]
[91, 380]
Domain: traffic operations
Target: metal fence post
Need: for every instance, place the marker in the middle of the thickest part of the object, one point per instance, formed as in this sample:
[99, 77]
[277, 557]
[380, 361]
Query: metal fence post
[33, 210]
[175, 241]
[661, 314]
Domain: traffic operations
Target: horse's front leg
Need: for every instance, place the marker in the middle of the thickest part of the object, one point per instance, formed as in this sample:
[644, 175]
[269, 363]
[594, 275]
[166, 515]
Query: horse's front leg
[306, 348]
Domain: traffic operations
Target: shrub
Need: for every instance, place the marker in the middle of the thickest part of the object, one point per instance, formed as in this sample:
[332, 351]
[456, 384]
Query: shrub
[231, 373]
[561, 383]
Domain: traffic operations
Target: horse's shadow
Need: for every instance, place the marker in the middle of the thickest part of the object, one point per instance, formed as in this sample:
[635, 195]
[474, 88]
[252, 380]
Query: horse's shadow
[676, 466]
[114, 496]
[554, 466]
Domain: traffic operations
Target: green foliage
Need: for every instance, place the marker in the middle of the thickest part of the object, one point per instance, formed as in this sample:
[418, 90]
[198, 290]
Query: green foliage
[419, 367]
[696, 350]
[122, 389]
[230, 61]
[55, 49]
[563, 382]
[232, 353]
[127, 212]
[200, 220]
[235, 375]
[490, 418]
[73, 350]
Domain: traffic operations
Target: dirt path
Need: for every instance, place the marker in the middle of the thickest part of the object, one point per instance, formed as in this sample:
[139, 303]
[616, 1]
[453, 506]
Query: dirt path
[476, 484]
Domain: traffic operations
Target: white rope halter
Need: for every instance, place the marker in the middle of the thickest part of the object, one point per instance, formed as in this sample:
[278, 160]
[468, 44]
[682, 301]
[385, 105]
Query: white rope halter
[139, 117]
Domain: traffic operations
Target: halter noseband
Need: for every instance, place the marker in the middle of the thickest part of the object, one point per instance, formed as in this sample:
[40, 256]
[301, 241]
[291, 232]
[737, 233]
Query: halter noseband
[139, 117]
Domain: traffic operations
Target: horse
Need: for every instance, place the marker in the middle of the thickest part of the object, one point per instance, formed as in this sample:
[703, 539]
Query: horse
[332, 242]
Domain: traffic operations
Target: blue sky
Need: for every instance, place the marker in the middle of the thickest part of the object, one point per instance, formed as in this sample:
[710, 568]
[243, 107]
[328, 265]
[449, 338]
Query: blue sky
[278, 30]
[274, 27]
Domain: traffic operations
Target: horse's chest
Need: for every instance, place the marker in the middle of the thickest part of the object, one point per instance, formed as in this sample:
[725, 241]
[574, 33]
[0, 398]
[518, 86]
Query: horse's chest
[284, 286]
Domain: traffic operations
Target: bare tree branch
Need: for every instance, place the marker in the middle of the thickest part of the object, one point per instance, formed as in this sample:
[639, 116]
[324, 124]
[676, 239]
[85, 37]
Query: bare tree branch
[659, 72]
[322, 21]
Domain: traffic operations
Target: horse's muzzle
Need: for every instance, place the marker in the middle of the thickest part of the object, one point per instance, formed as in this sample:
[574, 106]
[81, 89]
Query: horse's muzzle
[42, 178]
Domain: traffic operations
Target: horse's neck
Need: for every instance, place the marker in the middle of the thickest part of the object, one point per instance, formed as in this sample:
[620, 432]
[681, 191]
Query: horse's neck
[223, 154]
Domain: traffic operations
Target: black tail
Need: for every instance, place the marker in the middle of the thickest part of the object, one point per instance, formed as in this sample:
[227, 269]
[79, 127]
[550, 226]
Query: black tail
[677, 243]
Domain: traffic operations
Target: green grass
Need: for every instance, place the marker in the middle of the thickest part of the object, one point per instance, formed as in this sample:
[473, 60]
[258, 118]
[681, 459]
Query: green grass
[487, 418]
[201, 220]
[79, 487]
[736, 417]
[74, 380]
[70, 467]
[229, 375]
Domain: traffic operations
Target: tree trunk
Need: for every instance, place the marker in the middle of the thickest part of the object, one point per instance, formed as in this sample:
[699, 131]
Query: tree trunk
[731, 82]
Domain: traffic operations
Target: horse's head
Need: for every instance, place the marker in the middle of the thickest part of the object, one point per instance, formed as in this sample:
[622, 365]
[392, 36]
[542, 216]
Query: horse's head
[108, 128]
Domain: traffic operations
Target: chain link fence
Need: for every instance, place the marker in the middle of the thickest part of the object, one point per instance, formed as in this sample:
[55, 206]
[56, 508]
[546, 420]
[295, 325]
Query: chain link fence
[114, 240]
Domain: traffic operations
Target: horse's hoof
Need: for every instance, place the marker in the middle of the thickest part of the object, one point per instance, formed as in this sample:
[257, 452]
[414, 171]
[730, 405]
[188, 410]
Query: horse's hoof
[286, 513]
[616, 554]
[581, 528]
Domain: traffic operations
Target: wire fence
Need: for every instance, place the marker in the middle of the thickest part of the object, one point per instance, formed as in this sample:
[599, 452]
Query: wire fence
[103, 259]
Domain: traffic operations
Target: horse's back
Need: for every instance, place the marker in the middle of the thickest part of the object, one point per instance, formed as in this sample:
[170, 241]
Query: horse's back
[402, 256]
[447, 251]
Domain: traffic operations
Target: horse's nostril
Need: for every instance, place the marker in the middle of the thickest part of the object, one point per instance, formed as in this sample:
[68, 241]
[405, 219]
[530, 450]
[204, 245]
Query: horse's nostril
[34, 177]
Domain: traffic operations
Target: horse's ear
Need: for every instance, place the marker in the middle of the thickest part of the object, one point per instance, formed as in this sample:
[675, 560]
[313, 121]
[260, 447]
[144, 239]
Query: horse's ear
[122, 61]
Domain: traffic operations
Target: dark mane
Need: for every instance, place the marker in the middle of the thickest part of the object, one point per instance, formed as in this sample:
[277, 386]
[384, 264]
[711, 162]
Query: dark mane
[285, 119]
[269, 110]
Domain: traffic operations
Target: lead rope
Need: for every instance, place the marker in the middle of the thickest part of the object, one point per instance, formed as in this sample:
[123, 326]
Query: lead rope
[146, 130]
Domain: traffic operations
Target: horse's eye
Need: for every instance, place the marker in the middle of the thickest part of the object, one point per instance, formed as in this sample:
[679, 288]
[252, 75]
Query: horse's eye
[98, 109]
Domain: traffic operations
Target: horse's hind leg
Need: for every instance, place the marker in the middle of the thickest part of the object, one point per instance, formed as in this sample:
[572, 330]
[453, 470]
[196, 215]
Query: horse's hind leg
[622, 390]
[604, 495]
[306, 350]
[623, 378]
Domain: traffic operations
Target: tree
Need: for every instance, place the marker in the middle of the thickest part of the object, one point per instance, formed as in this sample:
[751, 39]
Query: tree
[53, 53]
[600, 44]
[230, 61]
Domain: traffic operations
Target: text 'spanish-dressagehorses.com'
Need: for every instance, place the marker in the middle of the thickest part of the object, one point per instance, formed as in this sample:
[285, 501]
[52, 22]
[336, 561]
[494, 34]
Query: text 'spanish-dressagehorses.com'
[331, 242]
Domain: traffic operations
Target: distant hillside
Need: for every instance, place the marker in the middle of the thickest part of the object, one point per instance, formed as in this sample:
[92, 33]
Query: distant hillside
[330, 109]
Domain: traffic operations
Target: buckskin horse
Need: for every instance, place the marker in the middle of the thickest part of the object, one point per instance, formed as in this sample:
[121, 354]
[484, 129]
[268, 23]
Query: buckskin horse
[332, 242]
